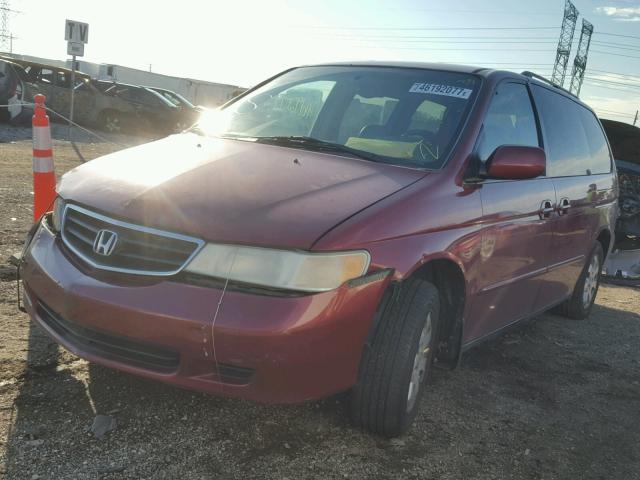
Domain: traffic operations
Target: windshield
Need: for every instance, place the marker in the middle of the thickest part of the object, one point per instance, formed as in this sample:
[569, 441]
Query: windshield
[175, 98]
[399, 115]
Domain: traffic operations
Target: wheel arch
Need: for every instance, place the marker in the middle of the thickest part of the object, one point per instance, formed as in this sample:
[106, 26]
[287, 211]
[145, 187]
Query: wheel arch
[605, 238]
[448, 276]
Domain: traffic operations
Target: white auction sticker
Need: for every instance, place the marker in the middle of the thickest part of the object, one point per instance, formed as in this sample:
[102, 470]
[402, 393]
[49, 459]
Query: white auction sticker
[436, 89]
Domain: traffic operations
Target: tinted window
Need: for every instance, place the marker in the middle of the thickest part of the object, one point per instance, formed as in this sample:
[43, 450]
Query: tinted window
[45, 75]
[600, 157]
[63, 80]
[509, 121]
[574, 142]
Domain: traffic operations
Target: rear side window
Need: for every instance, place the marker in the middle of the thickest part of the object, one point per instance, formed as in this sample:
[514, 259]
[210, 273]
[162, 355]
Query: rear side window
[574, 141]
[600, 156]
[509, 121]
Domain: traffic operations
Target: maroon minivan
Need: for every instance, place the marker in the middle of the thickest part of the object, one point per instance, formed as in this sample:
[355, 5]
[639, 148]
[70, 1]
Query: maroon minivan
[338, 227]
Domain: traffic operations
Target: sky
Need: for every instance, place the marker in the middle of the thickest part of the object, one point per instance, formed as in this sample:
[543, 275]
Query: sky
[244, 42]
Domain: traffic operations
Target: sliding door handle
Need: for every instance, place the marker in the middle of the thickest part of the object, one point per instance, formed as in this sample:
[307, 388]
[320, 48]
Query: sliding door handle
[546, 209]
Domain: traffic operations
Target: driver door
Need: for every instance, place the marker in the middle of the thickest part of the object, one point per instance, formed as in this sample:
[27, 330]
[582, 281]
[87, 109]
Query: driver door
[516, 226]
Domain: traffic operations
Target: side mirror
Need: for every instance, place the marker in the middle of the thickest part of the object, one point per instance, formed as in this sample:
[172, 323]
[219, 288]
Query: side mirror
[514, 162]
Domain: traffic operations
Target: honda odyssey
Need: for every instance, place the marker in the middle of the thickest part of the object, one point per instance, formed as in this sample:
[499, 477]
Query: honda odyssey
[336, 228]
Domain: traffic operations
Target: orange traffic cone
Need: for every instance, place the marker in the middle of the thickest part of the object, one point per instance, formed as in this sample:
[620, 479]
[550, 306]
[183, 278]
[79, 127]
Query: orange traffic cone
[44, 178]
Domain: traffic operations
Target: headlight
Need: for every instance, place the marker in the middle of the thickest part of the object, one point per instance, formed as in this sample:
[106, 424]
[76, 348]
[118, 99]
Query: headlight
[56, 216]
[289, 270]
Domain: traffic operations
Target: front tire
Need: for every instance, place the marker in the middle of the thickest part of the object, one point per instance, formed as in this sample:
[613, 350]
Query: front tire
[397, 360]
[584, 294]
[112, 121]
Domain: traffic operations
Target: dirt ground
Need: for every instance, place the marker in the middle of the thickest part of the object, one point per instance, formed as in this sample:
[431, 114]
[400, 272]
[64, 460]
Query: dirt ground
[556, 399]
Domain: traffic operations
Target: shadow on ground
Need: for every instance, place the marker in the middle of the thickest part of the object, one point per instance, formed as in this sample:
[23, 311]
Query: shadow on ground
[554, 399]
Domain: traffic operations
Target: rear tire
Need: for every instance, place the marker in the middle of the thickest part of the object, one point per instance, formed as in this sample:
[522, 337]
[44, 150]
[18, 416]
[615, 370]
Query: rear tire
[397, 360]
[584, 294]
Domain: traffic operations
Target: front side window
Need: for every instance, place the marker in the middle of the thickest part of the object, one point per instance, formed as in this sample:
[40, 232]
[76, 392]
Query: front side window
[403, 116]
[574, 142]
[45, 75]
[509, 121]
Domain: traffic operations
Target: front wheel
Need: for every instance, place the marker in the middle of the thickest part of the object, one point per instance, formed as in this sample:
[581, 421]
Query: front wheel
[113, 121]
[397, 360]
[584, 294]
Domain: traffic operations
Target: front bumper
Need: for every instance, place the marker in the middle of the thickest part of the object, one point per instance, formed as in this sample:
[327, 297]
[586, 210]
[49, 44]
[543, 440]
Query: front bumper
[262, 348]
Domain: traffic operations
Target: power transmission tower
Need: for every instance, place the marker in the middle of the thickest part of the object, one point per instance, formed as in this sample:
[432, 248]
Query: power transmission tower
[5, 33]
[580, 62]
[564, 44]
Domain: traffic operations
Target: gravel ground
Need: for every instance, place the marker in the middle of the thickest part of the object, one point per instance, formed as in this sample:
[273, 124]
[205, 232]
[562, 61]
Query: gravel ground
[555, 399]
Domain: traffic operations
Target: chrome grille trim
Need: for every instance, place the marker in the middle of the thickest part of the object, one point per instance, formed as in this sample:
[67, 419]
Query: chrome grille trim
[75, 232]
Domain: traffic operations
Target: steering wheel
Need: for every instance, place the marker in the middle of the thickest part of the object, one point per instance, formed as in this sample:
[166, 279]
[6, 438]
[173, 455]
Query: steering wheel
[430, 137]
[428, 147]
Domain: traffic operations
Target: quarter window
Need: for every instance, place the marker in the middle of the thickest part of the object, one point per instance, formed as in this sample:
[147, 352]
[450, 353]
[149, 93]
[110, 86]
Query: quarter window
[509, 121]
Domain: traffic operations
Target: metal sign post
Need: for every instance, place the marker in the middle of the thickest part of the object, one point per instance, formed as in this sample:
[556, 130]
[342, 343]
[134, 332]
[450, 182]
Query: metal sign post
[76, 34]
[73, 89]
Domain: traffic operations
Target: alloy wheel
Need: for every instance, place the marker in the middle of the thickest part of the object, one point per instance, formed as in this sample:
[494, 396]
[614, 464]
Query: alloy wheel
[591, 282]
[420, 363]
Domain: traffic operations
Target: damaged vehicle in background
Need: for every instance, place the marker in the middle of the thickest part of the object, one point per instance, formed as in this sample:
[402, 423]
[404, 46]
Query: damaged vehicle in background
[154, 112]
[12, 90]
[181, 102]
[337, 228]
[624, 261]
[92, 107]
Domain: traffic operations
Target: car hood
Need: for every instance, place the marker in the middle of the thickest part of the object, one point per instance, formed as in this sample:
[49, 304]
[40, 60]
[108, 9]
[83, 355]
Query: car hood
[232, 191]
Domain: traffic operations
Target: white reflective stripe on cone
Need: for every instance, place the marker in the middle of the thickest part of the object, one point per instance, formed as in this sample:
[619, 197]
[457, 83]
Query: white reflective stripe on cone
[42, 164]
[42, 138]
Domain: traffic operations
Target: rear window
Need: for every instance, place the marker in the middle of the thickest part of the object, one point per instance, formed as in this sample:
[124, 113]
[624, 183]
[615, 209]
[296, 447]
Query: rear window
[574, 141]
[403, 116]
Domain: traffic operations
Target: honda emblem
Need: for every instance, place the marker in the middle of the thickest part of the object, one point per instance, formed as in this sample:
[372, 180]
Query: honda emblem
[105, 242]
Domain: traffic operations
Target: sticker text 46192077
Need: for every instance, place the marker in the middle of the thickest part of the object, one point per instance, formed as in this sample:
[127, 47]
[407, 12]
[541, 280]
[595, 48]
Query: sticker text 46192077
[436, 89]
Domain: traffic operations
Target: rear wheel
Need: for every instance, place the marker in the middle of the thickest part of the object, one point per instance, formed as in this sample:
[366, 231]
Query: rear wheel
[397, 361]
[584, 294]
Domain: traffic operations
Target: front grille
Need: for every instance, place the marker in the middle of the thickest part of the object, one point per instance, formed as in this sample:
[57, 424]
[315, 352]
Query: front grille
[110, 346]
[138, 250]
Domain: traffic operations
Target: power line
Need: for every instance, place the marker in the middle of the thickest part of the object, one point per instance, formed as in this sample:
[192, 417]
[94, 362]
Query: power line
[326, 27]
[595, 84]
[616, 44]
[616, 54]
[617, 35]
[615, 73]
[466, 37]
[415, 40]
[631, 85]
[603, 84]
[622, 114]
[600, 44]
[465, 49]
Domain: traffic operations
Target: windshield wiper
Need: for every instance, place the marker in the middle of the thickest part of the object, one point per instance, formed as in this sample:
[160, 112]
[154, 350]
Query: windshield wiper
[310, 143]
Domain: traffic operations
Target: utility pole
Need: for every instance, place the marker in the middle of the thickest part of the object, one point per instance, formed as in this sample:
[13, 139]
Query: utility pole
[564, 43]
[635, 120]
[580, 62]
